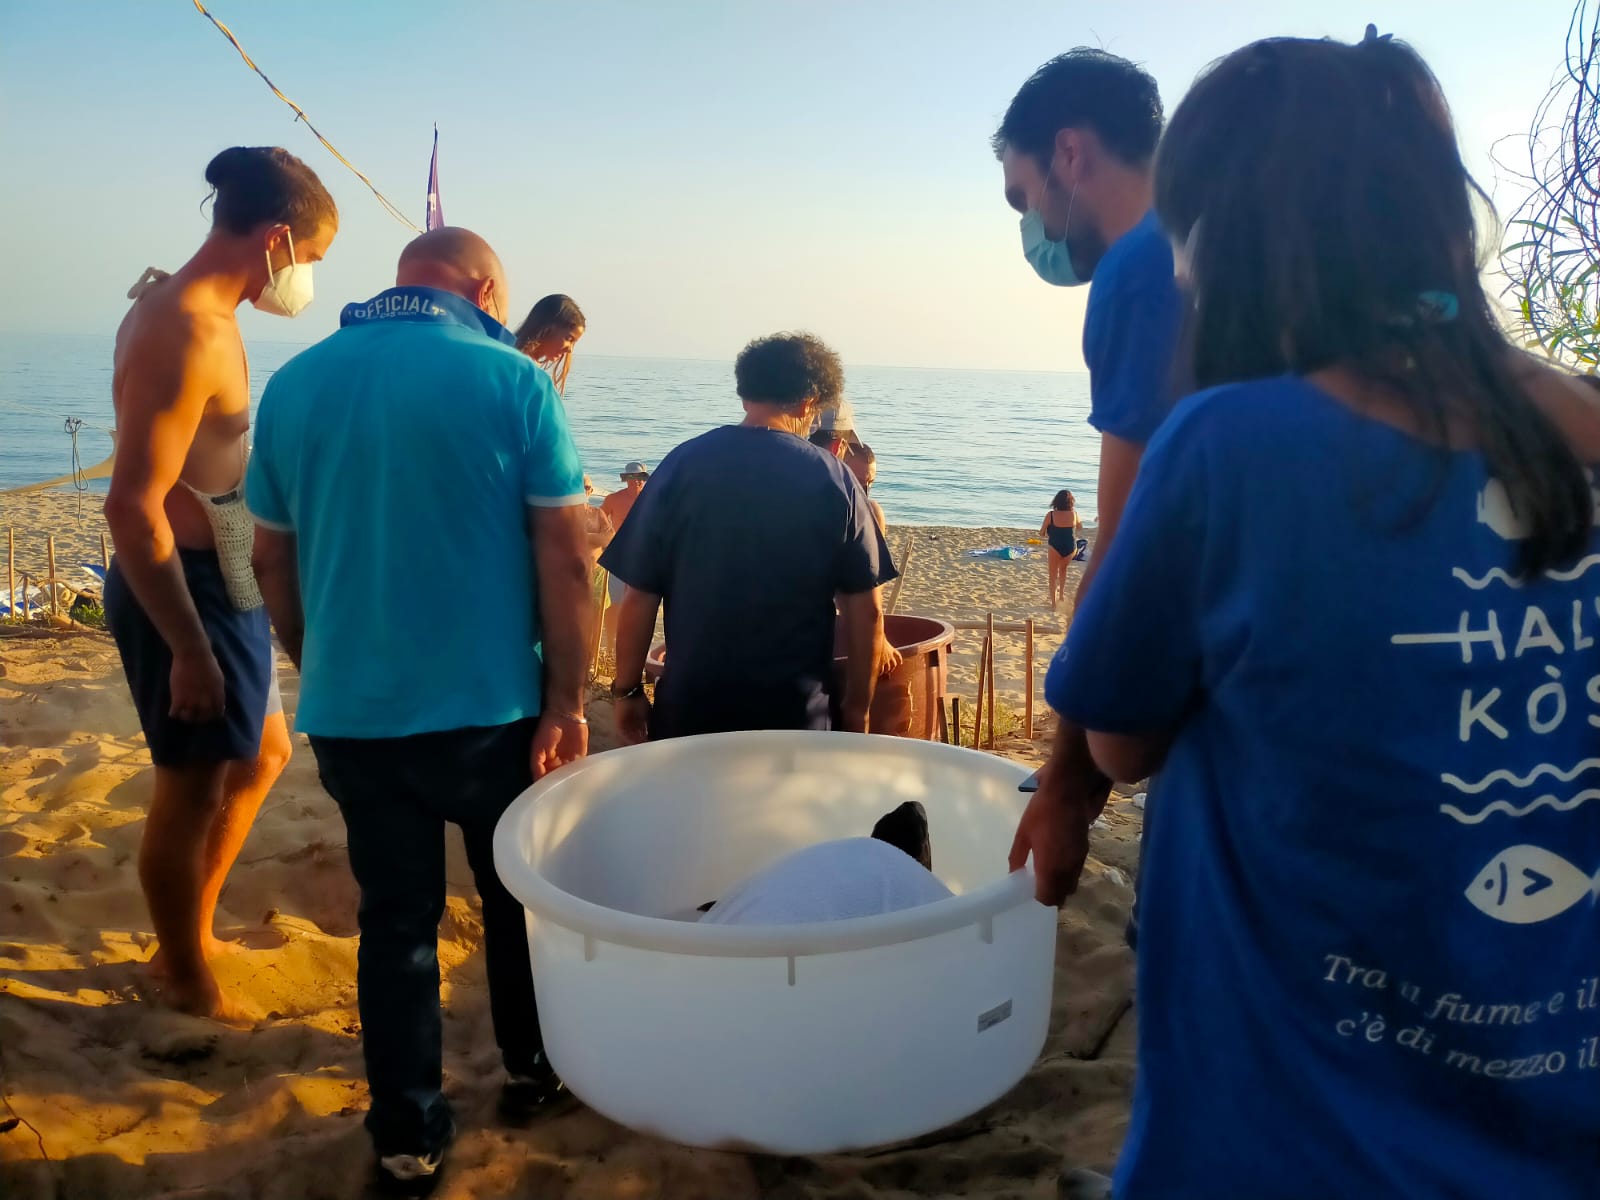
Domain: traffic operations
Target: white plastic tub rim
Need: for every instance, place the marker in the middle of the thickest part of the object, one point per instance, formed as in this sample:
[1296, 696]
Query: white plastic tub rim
[598, 923]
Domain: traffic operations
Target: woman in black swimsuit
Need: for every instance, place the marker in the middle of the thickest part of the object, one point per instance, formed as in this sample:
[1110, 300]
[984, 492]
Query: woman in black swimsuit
[1060, 529]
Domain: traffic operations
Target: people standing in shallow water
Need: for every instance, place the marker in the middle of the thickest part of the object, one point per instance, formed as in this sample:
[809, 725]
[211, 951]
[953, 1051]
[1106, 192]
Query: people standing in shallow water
[549, 333]
[1060, 532]
[1349, 616]
[180, 599]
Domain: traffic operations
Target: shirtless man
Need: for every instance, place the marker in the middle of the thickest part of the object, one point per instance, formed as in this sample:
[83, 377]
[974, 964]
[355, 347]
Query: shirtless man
[616, 508]
[180, 599]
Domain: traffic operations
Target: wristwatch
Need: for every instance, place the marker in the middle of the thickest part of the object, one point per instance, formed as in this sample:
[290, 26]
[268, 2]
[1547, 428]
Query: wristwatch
[631, 693]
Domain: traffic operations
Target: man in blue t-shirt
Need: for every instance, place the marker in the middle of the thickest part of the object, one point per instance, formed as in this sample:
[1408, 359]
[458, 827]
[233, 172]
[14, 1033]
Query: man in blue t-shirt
[748, 534]
[414, 445]
[1077, 146]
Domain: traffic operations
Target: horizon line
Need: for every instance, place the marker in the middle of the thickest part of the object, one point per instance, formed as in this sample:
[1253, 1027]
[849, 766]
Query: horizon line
[624, 357]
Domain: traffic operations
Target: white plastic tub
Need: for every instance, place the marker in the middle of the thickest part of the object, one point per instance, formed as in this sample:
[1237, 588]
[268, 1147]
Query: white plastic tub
[797, 1039]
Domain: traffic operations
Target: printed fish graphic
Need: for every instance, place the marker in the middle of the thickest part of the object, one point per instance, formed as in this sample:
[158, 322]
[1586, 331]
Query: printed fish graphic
[1494, 509]
[1523, 885]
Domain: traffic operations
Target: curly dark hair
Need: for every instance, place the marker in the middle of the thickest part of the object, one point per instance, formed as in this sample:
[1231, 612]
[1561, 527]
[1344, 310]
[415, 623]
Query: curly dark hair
[1089, 89]
[1064, 501]
[787, 369]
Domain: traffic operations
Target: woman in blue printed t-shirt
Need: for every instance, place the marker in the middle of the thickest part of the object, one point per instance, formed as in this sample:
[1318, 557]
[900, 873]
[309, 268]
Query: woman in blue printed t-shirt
[1353, 615]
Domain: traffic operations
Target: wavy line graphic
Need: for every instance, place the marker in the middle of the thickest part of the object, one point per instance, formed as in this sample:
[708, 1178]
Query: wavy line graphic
[1494, 777]
[1516, 581]
[1505, 806]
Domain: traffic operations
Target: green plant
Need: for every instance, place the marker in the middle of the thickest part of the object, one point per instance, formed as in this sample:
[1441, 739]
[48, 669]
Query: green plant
[1007, 722]
[1553, 267]
[90, 614]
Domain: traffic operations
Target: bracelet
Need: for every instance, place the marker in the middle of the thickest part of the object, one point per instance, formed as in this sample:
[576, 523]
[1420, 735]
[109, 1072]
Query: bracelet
[569, 718]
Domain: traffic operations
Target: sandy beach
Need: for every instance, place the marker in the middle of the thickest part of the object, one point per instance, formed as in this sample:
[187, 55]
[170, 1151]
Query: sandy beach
[118, 1099]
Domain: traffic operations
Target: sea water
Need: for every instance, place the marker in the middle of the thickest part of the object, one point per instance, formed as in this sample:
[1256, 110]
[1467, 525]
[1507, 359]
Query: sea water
[967, 448]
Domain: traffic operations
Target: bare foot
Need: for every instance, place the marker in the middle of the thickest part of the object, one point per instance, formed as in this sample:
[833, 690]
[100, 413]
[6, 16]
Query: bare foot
[213, 949]
[203, 998]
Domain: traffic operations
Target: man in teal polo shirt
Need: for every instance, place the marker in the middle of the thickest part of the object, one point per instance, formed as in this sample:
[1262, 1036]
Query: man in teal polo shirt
[416, 447]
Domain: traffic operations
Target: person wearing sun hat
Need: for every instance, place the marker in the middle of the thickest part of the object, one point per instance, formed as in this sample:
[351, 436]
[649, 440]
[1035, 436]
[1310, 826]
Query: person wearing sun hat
[834, 430]
[615, 508]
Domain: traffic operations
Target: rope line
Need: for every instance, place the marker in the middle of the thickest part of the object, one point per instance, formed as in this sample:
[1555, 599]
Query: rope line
[80, 482]
[300, 115]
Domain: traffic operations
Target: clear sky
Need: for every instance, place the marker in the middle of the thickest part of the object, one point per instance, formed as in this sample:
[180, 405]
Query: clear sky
[693, 173]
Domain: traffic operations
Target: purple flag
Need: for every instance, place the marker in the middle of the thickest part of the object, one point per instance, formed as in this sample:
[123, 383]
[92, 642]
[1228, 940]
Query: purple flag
[435, 217]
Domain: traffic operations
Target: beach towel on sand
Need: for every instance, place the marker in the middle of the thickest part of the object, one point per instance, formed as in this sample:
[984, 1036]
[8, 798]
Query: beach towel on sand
[1006, 553]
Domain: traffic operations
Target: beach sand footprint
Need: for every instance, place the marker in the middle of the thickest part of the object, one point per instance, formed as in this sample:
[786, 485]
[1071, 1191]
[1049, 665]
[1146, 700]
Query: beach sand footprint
[134, 1101]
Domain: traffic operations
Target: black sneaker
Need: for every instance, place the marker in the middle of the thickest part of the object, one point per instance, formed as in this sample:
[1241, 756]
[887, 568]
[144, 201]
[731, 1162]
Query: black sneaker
[529, 1095]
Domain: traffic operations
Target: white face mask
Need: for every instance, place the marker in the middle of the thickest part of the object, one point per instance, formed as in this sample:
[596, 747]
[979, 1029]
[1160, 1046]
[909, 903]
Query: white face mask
[288, 289]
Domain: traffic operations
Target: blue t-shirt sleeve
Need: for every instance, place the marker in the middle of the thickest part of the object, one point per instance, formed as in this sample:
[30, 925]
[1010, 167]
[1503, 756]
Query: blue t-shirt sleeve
[1132, 659]
[552, 475]
[1129, 336]
[263, 488]
[641, 552]
[863, 562]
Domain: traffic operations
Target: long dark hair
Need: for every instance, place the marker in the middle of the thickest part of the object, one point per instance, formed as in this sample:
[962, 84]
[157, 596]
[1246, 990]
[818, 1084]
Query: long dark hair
[1327, 219]
[551, 313]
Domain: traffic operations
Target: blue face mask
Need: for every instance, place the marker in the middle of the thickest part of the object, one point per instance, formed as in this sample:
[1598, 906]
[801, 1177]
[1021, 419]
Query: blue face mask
[1051, 261]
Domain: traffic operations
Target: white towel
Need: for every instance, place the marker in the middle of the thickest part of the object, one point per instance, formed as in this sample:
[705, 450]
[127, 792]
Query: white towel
[834, 881]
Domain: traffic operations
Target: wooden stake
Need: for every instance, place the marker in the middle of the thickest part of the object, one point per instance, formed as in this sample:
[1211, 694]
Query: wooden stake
[1027, 708]
[11, 566]
[944, 724]
[105, 554]
[955, 717]
[905, 569]
[50, 550]
[991, 681]
[977, 716]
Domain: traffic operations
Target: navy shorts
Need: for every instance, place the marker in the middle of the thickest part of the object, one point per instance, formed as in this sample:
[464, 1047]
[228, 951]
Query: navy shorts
[242, 642]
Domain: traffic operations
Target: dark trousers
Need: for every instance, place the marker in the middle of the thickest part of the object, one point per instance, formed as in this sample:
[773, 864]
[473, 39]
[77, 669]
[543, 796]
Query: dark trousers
[396, 795]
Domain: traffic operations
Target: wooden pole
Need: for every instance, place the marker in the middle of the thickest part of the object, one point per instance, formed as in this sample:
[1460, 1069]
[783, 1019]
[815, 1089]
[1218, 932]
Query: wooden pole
[905, 569]
[977, 712]
[991, 681]
[955, 716]
[105, 554]
[982, 626]
[50, 551]
[944, 723]
[1027, 709]
[11, 566]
